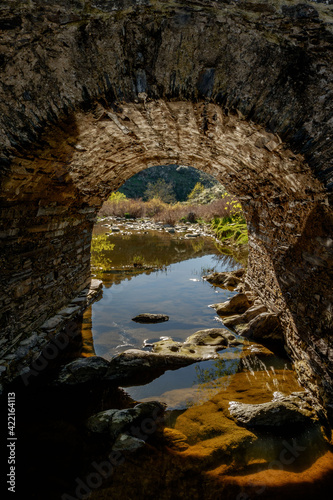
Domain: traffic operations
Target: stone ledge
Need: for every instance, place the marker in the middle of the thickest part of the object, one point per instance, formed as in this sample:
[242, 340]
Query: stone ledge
[17, 360]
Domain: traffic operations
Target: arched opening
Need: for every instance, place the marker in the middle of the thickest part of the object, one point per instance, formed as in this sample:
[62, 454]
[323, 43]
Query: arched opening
[168, 218]
[65, 182]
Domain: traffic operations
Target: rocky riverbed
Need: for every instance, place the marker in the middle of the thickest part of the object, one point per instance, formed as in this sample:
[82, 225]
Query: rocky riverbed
[127, 226]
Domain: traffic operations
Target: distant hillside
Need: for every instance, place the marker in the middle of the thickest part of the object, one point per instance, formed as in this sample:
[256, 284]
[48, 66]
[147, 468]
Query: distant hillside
[182, 180]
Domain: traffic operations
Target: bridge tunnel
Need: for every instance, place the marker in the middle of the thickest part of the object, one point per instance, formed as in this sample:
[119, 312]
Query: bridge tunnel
[104, 91]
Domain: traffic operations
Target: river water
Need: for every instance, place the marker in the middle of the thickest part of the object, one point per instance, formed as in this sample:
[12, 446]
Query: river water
[168, 278]
[204, 454]
[199, 451]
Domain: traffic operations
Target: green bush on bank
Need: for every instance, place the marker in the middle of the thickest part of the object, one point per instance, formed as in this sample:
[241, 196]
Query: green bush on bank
[232, 228]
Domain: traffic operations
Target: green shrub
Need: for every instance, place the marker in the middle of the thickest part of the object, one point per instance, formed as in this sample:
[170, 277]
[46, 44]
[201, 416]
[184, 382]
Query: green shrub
[231, 228]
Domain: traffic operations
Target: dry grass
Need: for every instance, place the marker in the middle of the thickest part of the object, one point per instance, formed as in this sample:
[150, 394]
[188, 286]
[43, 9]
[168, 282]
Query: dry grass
[170, 214]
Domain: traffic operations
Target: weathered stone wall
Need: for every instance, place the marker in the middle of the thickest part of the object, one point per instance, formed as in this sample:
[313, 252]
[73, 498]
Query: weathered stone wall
[95, 91]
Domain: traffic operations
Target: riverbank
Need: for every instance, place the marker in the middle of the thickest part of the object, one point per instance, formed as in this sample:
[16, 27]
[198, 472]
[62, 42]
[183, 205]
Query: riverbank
[223, 216]
[123, 226]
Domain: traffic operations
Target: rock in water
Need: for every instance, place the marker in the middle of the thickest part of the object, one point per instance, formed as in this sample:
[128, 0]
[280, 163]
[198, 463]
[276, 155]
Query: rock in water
[226, 279]
[211, 337]
[238, 304]
[294, 409]
[150, 318]
[82, 371]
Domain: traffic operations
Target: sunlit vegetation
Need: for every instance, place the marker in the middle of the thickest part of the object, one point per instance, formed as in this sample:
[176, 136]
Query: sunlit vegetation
[138, 261]
[100, 252]
[197, 190]
[160, 190]
[231, 224]
[224, 214]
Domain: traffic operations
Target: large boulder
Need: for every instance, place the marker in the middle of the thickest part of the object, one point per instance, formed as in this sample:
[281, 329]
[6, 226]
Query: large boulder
[239, 319]
[121, 427]
[238, 304]
[136, 367]
[99, 423]
[125, 442]
[282, 411]
[190, 351]
[226, 280]
[211, 337]
[264, 326]
[82, 371]
[202, 345]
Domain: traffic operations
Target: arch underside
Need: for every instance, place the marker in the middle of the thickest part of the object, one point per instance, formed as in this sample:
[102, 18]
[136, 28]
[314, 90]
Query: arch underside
[102, 93]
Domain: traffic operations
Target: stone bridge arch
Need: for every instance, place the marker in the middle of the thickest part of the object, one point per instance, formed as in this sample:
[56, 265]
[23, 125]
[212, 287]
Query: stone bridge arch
[94, 91]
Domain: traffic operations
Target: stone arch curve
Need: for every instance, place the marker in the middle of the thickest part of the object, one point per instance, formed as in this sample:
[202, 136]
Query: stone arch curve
[94, 91]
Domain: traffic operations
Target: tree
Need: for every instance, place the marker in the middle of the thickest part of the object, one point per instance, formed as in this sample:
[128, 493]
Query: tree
[198, 189]
[161, 190]
[117, 196]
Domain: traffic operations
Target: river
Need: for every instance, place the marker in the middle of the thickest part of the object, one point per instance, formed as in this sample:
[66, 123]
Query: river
[198, 451]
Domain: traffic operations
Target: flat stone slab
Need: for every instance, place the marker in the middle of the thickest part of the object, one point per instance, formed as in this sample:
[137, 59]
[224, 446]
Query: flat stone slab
[69, 311]
[211, 337]
[52, 323]
[282, 411]
[82, 370]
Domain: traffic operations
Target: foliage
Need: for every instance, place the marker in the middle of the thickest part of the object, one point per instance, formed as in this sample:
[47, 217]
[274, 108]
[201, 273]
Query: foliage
[160, 190]
[198, 189]
[182, 178]
[138, 261]
[101, 250]
[233, 229]
[117, 196]
[225, 214]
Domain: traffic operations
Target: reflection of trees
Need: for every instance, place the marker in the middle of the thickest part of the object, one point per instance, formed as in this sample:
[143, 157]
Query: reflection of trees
[232, 257]
[212, 380]
[219, 374]
[198, 246]
[114, 254]
[115, 277]
[101, 251]
[156, 248]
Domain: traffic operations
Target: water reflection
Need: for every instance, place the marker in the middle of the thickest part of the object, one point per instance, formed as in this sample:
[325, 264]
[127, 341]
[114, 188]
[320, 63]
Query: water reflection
[119, 251]
[154, 272]
[255, 378]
